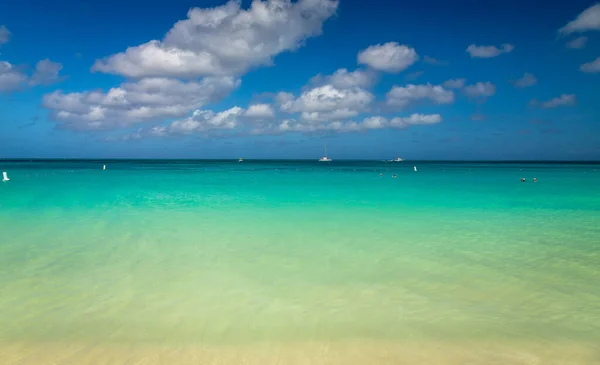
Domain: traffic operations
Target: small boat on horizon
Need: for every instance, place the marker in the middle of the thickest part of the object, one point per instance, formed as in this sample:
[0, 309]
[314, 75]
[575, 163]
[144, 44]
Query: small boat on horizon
[240, 160]
[398, 159]
[325, 158]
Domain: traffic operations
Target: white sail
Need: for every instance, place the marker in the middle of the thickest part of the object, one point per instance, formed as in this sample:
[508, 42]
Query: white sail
[103, 167]
[325, 158]
[415, 168]
[5, 176]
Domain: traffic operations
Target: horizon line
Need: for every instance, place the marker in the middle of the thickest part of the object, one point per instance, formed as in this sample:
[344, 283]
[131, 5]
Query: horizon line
[275, 159]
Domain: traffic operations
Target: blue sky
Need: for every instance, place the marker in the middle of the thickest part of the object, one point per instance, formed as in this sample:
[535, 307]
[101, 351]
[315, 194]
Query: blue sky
[278, 79]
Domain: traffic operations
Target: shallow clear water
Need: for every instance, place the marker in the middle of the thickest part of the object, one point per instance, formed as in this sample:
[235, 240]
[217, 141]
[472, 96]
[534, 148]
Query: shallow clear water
[227, 253]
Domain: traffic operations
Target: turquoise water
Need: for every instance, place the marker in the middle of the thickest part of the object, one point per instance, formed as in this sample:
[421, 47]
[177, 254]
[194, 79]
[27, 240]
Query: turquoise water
[221, 252]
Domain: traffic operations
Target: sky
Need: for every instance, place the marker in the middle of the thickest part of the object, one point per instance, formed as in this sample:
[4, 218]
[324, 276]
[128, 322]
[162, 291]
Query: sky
[461, 80]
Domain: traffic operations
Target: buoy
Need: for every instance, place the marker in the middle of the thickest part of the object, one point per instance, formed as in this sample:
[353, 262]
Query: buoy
[5, 176]
[415, 168]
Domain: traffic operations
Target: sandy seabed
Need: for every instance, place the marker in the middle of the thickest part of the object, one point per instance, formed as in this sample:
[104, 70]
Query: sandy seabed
[349, 352]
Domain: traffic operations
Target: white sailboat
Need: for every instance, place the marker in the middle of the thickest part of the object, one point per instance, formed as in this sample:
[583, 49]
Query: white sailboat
[325, 158]
[5, 176]
[398, 159]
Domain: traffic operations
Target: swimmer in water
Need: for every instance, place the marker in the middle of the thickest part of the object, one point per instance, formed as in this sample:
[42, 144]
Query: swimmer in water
[394, 176]
[522, 179]
[535, 179]
[381, 175]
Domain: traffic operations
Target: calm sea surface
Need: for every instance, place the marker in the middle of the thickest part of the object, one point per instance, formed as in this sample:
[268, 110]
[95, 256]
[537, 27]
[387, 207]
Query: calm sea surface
[185, 257]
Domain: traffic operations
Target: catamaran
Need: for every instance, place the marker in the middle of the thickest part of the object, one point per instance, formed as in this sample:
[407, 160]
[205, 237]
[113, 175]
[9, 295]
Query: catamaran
[325, 158]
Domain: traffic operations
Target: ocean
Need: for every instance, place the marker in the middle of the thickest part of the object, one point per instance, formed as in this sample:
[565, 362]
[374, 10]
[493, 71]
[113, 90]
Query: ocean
[299, 262]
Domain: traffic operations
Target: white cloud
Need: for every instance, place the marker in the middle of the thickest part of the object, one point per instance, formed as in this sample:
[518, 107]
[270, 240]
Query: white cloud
[434, 61]
[327, 102]
[4, 35]
[232, 121]
[526, 81]
[260, 111]
[334, 115]
[344, 79]
[454, 83]
[11, 78]
[369, 123]
[480, 90]
[133, 102]
[284, 98]
[402, 96]
[201, 121]
[591, 67]
[563, 100]
[46, 72]
[415, 119]
[330, 98]
[204, 120]
[14, 78]
[488, 51]
[588, 20]
[388, 57]
[224, 40]
[577, 43]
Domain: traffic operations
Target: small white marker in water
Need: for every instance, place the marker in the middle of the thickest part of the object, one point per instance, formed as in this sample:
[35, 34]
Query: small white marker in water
[415, 168]
[103, 167]
[5, 176]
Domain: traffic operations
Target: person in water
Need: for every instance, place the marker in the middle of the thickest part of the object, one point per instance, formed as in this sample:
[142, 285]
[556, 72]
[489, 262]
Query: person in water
[394, 176]
[522, 179]
[535, 179]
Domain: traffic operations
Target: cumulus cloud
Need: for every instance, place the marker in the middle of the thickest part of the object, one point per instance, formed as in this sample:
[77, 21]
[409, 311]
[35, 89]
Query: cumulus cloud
[14, 78]
[260, 111]
[369, 123]
[591, 67]
[133, 102]
[415, 119]
[434, 61]
[235, 121]
[205, 120]
[563, 100]
[527, 80]
[577, 43]
[327, 102]
[480, 90]
[454, 83]
[344, 79]
[488, 51]
[330, 98]
[588, 20]
[4, 35]
[224, 40]
[388, 57]
[402, 96]
[46, 73]
[11, 78]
